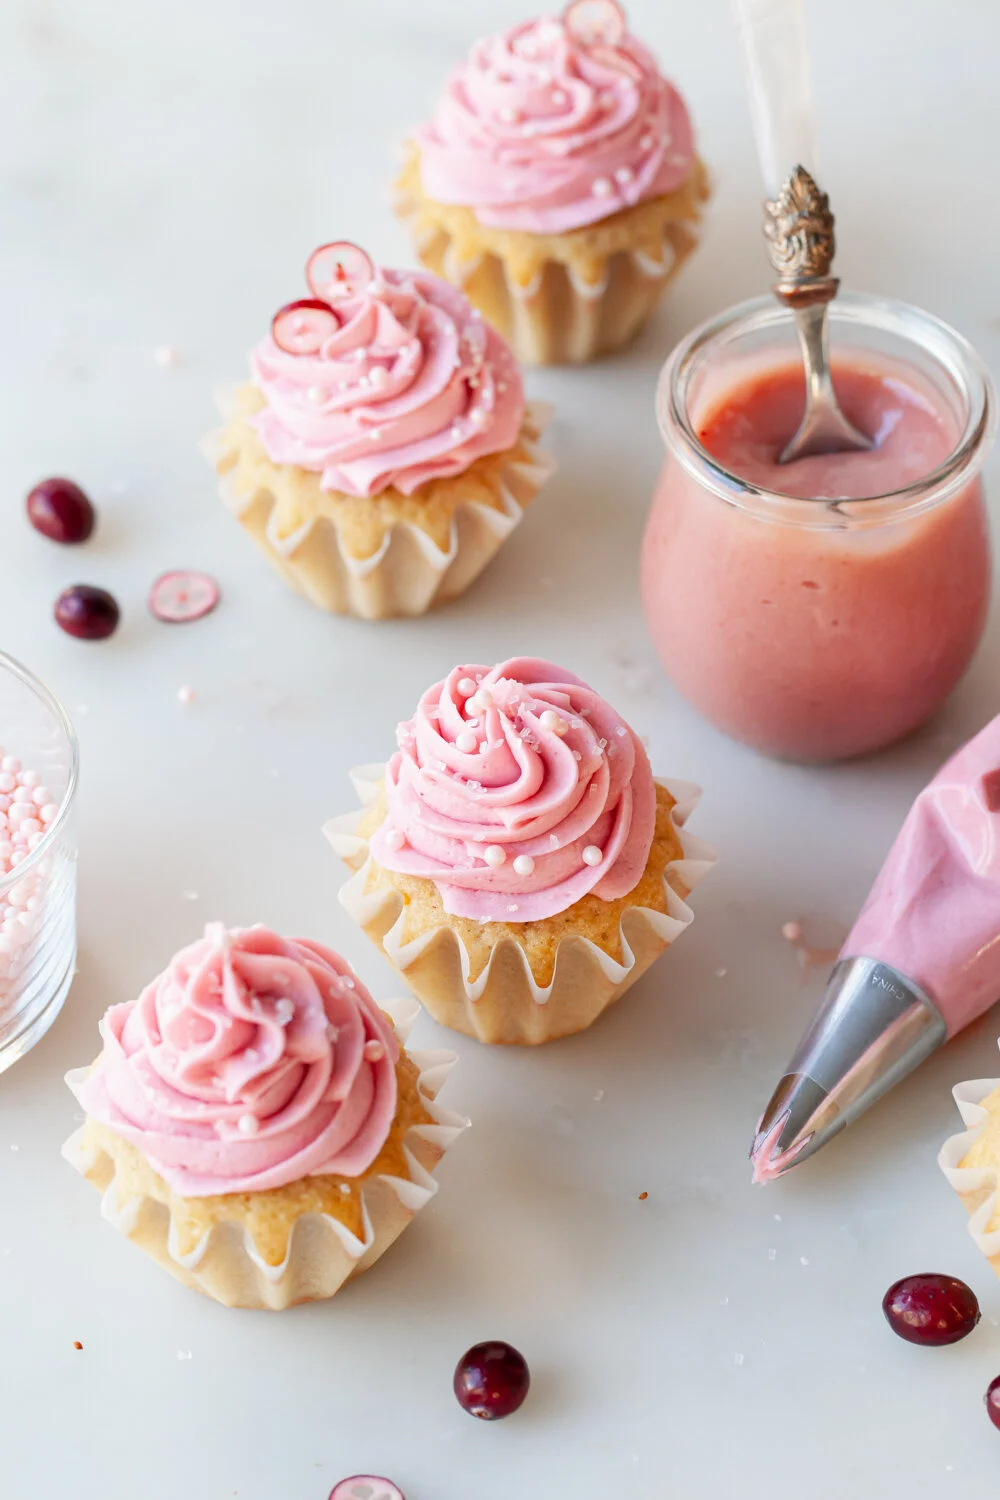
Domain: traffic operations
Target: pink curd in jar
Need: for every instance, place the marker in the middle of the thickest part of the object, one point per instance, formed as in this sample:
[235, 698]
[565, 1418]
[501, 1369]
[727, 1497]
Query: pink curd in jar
[814, 632]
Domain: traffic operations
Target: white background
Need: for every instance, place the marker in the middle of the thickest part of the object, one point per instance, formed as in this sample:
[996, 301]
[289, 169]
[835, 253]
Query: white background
[167, 165]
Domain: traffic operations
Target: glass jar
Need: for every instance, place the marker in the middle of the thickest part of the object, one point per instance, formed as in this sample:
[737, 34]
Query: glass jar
[38, 870]
[818, 629]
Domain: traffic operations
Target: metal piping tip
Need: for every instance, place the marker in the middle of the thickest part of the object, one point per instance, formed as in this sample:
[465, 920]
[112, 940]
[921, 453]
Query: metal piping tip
[800, 1118]
[873, 1027]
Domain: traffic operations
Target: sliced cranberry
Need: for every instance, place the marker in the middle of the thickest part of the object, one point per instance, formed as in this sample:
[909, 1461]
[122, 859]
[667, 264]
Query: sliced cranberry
[183, 595]
[931, 1309]
[60, 510]
[303, 327]
[491, 1381]
[338, 270]
[366, 1487]
[593, 21]
[993, 1402]
[89, 613]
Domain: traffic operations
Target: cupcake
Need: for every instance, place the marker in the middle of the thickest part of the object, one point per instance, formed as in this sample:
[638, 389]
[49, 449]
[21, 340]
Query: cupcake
[516, 861]
[557, 183]
[254, 1124]
[382, 449]
[971, 1163]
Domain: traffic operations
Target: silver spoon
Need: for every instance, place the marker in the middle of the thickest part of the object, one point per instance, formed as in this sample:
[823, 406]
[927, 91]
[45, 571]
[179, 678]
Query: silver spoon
[798, 222]
[798, 230]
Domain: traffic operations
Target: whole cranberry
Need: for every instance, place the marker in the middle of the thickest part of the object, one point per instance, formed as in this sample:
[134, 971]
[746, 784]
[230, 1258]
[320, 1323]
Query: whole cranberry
[89, 613]
[931, 1309]
[60, 510]
[993, 1402]
[491, 1381]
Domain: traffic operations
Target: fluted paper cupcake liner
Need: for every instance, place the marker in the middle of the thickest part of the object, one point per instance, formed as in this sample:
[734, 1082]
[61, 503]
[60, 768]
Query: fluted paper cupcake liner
[322, 1253]
[409, 573]
[977, 1187]
[505, 1003]
[559, 316]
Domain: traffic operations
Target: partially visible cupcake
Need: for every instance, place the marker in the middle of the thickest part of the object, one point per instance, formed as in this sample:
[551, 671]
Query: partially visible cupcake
[971, 1163]
[557, 183]
[383, 449]
[254, 1124]
[516, 860]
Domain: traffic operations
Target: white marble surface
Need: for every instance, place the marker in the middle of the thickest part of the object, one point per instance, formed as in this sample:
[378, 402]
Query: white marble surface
[165, 167]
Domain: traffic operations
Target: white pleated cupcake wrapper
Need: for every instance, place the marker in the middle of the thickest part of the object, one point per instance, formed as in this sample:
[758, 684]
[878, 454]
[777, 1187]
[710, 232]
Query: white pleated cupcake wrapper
[977, 1187]
[571, 325]
[322, 1252]
[371, 907]
[408, 573]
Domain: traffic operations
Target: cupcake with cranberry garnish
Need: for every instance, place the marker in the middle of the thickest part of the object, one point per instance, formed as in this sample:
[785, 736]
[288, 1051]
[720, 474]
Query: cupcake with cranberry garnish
[557, 183]
[516, 860]
[383, 449]
[971, 1163]
[254, 1124]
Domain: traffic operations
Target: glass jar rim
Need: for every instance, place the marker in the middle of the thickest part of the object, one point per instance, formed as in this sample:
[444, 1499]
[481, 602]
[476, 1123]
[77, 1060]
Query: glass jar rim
[948, 349]
[48, 698]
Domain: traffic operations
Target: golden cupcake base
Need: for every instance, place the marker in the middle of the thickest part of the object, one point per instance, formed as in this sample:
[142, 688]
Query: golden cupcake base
[381, 556]
[521, 983]
[560, 298]
[301, 1243]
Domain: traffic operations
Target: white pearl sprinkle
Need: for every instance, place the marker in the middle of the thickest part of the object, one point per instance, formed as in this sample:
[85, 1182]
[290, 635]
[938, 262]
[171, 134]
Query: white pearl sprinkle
[647, 142]
[551, 720]
[624, 175]
[508, 116]
[466, 742]
[316, 394]
[592, 855]
[375, 434]
[466, 687]
[524, 865]
[495, 856]
[602, 187]
[481, 700]
[248, 1125]
[378, 377]
[395, 839]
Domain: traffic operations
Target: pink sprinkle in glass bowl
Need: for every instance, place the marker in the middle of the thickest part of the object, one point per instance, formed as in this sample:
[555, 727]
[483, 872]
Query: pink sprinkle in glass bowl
[37, 895]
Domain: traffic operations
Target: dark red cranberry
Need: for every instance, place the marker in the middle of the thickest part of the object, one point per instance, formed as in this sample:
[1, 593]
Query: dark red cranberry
[60, 510]
[491, 1381]
[931, 1309]
[993, 1402]
[89, 613]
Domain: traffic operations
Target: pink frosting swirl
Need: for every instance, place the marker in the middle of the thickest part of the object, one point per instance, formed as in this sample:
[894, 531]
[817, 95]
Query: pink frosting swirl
[412, 386]
[517, 790]
[251, 1062]
[543, 130]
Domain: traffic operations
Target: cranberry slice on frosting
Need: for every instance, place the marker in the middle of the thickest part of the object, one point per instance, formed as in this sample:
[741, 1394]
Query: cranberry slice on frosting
[338, 270]
[303, 327]
[593, 21]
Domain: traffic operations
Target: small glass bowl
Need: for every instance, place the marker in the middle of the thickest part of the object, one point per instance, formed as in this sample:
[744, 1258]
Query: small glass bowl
[38, 897]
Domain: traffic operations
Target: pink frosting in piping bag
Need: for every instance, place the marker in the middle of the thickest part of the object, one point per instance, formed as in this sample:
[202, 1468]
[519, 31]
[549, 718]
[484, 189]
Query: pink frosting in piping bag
[517, 790]
[251, 1062]
[546, 128]
[411, 386]
[934, 911]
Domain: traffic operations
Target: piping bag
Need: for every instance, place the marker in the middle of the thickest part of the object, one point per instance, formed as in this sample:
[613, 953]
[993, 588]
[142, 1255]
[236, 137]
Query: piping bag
[921, 962]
